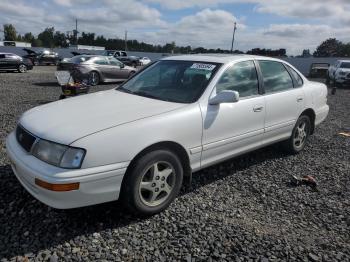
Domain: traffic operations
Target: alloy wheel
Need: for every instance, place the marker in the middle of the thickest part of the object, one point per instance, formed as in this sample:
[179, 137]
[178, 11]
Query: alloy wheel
[300, 134]
[94, 78]
[22, 68]
[157, 183]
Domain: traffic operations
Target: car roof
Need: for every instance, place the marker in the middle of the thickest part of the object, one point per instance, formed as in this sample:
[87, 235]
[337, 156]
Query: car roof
[217, 58]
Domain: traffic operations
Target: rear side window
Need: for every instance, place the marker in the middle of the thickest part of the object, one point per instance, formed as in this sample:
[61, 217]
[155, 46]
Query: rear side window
[298, 80]
[241, 77]
[101, 61]
[79, 59]
[275, 77]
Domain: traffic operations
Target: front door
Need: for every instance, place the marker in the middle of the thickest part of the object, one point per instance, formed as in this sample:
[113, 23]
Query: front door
[232, 128]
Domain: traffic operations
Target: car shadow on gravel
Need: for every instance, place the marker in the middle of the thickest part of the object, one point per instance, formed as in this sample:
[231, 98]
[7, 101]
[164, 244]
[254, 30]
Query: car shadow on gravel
[35, 226]
[46, 84]
[233, 165]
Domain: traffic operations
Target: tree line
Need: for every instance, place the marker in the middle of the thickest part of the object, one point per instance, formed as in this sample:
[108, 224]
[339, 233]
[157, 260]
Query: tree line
[51, 38]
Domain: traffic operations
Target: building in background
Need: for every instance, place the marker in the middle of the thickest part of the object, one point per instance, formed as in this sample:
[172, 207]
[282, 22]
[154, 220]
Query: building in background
[15, 43]
[87, 47]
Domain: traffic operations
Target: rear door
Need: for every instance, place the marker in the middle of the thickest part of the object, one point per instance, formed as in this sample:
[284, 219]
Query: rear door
[284, 99]
[117, 69]
[103, 67]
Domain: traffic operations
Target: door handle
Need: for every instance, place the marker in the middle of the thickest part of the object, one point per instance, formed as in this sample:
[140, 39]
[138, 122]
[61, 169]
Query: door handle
[258, 109]
[299, 99]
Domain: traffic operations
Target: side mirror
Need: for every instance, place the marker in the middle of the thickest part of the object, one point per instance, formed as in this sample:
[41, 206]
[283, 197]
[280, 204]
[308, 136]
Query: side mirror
[226, 96]
[122, 65]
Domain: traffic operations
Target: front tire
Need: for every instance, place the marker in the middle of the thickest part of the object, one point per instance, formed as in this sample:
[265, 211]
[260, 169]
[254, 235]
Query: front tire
[22, 68]
[301, 131]
[152, 183]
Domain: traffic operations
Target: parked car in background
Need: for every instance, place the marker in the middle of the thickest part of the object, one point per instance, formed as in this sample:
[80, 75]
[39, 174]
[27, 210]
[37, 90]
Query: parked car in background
[12, 62]
[123, 57]
[145, 61]
[98, 68]
[318, 70]
[339, 72]
[179, 115]
[44, 57]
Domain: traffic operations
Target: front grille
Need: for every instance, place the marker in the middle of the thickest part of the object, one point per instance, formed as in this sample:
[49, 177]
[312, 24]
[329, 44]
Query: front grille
[24, 138]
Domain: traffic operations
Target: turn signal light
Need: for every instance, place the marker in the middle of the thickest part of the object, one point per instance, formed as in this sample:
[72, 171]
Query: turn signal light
[57, 187]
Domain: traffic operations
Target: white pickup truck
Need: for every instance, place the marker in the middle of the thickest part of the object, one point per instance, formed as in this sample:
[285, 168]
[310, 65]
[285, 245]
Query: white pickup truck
[339, 72]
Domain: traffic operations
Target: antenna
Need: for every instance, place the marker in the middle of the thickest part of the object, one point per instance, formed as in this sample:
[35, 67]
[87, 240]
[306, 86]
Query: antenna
[233, 36]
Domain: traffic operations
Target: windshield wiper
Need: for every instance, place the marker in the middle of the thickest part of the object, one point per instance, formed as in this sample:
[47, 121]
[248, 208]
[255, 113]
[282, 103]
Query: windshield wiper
[142, 93]
[122, 89]
[145, 94]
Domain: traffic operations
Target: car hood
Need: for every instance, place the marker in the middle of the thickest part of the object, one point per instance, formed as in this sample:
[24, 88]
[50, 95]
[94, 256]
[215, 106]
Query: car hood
[67, 120]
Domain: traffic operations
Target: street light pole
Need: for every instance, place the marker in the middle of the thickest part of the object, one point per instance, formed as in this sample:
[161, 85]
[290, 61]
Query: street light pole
[233, 36]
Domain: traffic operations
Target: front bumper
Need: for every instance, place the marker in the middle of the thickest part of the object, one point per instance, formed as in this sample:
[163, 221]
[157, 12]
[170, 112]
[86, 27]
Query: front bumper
[97, 185]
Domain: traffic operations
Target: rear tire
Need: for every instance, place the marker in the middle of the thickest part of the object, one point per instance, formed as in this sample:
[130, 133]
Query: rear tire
[301, 131]
[94, 78]
[22, 68]
[152, 183]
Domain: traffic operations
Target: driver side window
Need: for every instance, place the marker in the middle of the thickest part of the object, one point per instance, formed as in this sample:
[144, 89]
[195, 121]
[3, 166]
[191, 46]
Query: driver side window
[241, 77]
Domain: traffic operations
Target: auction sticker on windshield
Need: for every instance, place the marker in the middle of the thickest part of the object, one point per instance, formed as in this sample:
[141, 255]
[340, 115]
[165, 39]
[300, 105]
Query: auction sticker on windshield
[208, 67]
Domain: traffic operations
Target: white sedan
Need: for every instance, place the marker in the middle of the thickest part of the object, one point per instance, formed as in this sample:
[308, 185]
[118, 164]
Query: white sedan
[137, 142]
[340, 72]
[145, 60]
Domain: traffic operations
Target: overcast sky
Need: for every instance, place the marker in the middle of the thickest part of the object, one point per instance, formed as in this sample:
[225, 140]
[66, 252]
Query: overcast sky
[290, 24]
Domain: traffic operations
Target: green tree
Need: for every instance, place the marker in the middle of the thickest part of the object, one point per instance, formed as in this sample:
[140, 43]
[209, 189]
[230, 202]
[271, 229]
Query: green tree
[28, 37]
[10, 33]
[59, 39]
[86, 38]
[37, 42]
[47, 37]
[330, 47]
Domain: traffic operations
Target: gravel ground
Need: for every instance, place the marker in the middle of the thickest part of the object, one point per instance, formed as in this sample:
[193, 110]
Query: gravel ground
[244, 209]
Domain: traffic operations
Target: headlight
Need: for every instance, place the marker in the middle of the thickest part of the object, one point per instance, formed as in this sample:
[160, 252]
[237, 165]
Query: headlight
[342, 73]
[58, 155]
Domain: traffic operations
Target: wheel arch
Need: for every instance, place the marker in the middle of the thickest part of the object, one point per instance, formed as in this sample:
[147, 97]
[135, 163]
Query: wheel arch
[174, 147]
[311, 114]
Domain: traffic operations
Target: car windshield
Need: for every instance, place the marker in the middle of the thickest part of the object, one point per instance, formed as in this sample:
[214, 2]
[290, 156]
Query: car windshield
[79, 59]
[174, 81]
[345, 65]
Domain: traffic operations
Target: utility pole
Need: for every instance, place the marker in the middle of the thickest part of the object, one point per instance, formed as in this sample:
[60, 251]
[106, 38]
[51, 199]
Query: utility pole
[233, 36]
[126, 41]
[76, 32]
